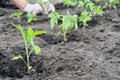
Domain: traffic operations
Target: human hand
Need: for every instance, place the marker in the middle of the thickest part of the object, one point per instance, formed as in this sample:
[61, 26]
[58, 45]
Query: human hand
[49, 9]
[33, 8]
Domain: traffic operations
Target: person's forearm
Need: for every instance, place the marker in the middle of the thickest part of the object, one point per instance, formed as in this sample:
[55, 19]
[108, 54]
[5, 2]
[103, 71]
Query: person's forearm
[20, 3]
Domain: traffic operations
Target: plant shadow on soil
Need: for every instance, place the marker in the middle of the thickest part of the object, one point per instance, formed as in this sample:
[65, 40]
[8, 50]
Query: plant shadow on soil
[89, 54]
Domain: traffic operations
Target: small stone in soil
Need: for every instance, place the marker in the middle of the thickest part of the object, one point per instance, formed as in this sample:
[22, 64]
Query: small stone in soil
[1, 12]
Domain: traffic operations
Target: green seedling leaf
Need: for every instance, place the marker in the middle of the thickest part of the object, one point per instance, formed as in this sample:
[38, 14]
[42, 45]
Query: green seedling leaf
[37, 49]
[84, 18]
[30, 32]
[31, 17]
[36, 33]
[69, 22]
[16, 15]
[98, 10]
[81, 4]
[28, 37]
[21, 29]
[68, 3]
[113, 3]
[54, 17]
[17, 57]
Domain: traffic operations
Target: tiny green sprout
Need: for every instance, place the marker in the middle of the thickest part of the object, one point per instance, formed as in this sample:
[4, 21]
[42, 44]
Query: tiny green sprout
[91, 7]
[28, 37]
[97, 10]
[89, 4]
[110, 4]
[80, 4]
[113, 3]
[84, 18]
[69, 22]
[31, 17]
[54, 17]
[68, 3]
[16, 16]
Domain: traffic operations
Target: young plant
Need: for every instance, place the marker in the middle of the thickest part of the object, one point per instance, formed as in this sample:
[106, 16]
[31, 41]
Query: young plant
[68, 3]
[113, 3]
[80, 4]
[28, 38]
[31, 17]
[16, 16]
[87, 4]
[84, 18]
[69, 22]
[109, 3]
[97, 10]
[54, 17]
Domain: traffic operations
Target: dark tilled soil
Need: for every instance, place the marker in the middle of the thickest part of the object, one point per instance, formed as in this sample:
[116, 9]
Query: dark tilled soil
[89, 54]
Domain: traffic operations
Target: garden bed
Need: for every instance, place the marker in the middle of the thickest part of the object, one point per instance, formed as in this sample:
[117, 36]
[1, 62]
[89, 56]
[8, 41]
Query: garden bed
[89, 54]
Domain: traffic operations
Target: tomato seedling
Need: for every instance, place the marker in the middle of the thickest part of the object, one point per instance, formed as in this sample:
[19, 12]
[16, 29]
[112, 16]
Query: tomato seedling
[54, 17]
[109, 3]
[16, 16]
[68, 3]
[113, 3]
[28, 38]
[84, 18]
[31, 17]
[69, 22]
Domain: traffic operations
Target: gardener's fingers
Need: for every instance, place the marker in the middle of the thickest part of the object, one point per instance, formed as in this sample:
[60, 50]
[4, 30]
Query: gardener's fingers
[51, 8]
[38, 8]
[34, 8]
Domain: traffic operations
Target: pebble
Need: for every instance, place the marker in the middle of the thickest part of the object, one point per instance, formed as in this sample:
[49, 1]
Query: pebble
[1, 12]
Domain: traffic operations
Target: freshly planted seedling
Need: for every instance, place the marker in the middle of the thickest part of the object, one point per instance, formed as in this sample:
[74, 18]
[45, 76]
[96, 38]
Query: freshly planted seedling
[109, 3]
[80, 4]
[69, 22]
[87, 4]
[28, 38]
[16, 16]
[90, 7]
[31, 17]
[97, 10]
[54, 17]
[68, 3]
[84, 18]
[113, 3]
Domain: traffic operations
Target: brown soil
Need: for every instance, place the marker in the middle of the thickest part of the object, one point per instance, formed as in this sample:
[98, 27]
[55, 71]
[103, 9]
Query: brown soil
[89, 54]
